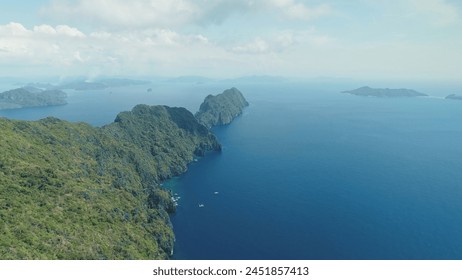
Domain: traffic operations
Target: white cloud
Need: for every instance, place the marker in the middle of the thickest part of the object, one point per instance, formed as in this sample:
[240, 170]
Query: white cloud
[45, 29]
[65, 48]
[295, 10]
[257, 46]
[149, 35]
[13, 29]
[69, 51]
[440, 12]
[283, 41]
[42, 44]
[68, 31]
[122, 14]
[60, 30]
[175, 37]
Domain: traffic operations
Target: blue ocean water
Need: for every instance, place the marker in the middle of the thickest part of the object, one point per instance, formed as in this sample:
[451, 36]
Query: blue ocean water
[308, 172]
[313, 174]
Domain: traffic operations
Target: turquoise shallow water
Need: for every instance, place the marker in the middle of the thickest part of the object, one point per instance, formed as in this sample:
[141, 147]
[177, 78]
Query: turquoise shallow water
[309, 173]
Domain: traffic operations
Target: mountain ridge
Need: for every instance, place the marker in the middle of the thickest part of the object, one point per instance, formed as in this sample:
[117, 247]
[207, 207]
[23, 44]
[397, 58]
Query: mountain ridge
[74, 191]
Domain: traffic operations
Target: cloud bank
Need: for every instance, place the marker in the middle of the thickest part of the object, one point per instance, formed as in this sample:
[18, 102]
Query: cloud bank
[174, 13]
[242, 37]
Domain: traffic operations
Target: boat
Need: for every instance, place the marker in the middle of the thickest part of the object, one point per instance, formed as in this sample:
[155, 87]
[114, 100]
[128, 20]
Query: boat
[201, 205]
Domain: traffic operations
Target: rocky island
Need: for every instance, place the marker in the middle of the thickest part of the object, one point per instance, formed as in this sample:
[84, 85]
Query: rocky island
[385, 92]
[31, 97]
[454, 96]
[74, 191]
[222, 108]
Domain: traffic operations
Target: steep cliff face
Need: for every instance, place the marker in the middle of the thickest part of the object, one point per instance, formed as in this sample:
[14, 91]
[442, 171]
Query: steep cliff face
[222, 108]
[73, 191]
[167, 139]
[31, 97]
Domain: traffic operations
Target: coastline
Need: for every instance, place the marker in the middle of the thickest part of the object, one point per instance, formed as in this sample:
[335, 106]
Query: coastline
[109, 175]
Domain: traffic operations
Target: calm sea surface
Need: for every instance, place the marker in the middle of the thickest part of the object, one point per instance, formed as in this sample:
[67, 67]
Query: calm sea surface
[308, 172]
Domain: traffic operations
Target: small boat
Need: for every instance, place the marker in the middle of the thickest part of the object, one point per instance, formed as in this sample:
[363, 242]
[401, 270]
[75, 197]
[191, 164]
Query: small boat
[201, 205]
[215, 192]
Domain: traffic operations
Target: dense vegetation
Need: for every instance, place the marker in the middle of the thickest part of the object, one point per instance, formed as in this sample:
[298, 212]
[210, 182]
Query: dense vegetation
[222, 108]
[73, 191]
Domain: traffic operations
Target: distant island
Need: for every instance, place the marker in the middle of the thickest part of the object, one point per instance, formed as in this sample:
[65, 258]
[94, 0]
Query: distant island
[74, 191]
[222, 108]
[31, 97]
[385, 92]
[454, 96]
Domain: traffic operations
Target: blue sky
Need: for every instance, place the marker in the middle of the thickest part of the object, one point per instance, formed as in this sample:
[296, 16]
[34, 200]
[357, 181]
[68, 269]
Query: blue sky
[394, 39]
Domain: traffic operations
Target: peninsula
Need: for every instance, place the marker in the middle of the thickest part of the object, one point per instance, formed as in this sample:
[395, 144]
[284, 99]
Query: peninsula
[74, 191]
[31, 97]
[222, 108]
[385, 92]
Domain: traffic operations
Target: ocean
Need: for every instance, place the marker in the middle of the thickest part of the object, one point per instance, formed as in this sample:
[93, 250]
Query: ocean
[308, 172]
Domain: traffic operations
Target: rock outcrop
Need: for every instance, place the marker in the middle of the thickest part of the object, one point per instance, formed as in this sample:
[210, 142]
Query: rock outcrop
[222, 108]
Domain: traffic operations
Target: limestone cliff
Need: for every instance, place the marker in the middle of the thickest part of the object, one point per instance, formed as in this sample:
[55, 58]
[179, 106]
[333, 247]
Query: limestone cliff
[222, 108]
[73, 191]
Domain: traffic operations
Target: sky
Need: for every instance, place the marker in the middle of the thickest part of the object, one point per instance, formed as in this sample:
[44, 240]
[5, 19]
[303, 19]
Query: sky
[380, 39]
